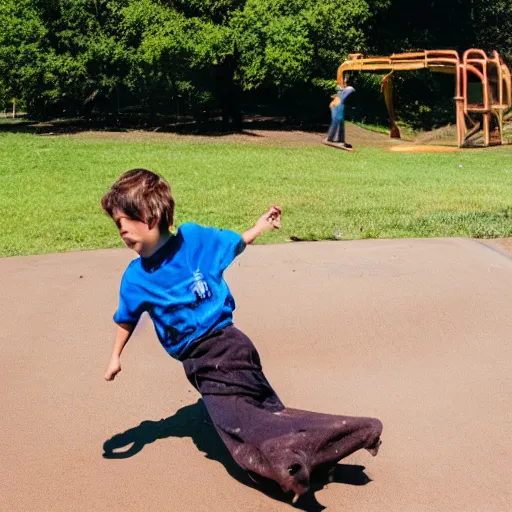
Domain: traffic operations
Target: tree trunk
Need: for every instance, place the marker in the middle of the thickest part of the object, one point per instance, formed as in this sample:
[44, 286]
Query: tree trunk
[228, 94]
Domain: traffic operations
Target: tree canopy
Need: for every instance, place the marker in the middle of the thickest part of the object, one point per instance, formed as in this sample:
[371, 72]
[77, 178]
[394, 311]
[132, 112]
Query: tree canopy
[196, 57]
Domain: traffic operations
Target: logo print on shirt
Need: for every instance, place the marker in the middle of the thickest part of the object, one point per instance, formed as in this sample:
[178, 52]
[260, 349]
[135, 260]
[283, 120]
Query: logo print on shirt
[200, 286]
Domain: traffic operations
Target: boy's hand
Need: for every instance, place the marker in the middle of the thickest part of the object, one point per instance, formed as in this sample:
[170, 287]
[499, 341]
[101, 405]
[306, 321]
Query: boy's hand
[270, 220]
[114, 367]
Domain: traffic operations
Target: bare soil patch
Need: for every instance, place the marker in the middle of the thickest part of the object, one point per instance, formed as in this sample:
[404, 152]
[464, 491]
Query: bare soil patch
[287, 137]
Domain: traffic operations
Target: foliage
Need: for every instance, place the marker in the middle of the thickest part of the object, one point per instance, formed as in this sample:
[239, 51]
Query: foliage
[23, 51]
[67, 57]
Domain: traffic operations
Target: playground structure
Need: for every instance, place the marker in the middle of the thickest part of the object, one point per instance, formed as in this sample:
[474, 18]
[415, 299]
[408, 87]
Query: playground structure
[483, 90]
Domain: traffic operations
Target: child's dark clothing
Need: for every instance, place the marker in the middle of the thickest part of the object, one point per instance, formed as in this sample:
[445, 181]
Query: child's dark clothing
[183, 289]
[262, 435]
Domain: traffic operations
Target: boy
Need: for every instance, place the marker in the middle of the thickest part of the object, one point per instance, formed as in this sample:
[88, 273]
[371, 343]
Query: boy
[336, 132]
[178, 280]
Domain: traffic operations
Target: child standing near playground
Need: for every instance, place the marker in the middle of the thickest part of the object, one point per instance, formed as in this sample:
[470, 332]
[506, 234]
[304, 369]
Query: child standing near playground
[178, 280]
[336, 133]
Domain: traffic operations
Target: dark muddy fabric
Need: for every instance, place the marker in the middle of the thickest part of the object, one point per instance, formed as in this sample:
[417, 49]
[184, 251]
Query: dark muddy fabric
[263, 435]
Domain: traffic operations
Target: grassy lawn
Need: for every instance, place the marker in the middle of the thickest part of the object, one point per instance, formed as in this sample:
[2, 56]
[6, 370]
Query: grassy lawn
[50, 190]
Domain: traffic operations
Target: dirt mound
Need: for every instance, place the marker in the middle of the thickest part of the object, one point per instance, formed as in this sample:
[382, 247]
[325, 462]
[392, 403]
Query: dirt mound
[445, 135]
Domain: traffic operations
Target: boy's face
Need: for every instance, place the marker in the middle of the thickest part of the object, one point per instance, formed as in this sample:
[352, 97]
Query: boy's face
[136, 235]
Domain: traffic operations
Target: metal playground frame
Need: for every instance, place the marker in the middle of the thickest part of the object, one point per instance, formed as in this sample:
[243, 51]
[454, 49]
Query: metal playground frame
[490, 74]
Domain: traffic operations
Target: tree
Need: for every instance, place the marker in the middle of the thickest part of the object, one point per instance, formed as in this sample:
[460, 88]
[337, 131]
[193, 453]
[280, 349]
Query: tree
[23, 51]
[88, 62]
[194, 56]
[491, 26]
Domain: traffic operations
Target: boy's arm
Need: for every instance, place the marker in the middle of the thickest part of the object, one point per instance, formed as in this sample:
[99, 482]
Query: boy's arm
[268, 221]
[124, 331]
[347, 91]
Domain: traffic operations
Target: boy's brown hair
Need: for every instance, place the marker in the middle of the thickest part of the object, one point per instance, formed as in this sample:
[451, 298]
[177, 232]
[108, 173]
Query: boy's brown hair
[141, 195]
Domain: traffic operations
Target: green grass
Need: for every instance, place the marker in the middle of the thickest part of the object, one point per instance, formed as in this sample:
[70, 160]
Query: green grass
[50, 190]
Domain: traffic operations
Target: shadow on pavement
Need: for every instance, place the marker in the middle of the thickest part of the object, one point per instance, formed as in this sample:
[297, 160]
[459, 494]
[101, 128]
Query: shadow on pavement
[193, 421]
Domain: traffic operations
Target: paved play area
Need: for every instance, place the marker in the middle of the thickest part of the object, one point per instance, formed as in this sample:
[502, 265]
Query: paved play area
[414, 332]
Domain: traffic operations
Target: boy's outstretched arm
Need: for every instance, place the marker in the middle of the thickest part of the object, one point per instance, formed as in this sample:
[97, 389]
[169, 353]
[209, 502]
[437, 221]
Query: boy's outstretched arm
[124, 331]
[268, 221]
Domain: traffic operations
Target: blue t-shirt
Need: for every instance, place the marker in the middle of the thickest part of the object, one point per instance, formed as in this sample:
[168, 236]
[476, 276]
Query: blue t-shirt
[182, 287]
